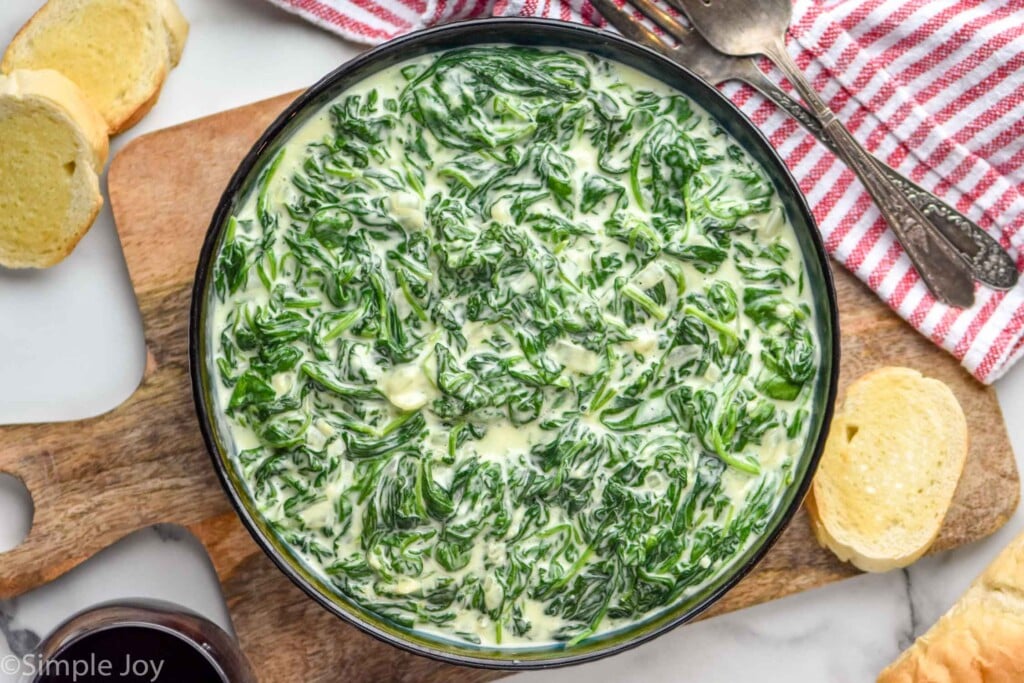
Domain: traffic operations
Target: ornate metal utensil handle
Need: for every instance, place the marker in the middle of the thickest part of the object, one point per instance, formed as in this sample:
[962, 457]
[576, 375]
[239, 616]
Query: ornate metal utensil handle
[936, 260]
[989, 263]
[987, 260]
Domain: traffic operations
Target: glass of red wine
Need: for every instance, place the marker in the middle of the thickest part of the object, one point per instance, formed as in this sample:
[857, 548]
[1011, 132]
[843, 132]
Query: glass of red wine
[143, 641]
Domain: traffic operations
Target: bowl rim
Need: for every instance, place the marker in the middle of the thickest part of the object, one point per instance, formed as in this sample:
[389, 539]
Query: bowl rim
[252, 162]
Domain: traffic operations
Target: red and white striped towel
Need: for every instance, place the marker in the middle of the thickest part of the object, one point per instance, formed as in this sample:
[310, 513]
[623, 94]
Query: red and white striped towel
[935, 87]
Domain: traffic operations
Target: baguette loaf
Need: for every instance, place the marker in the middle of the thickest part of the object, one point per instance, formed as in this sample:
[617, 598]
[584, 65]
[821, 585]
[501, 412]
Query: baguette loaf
[54, 146]
[890, 467]
[118, 52]
[981, 639]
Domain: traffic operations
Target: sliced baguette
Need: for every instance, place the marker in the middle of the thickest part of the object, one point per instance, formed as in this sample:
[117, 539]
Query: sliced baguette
[890, 467]
[981, 639]
[119, 52]
[54, 146]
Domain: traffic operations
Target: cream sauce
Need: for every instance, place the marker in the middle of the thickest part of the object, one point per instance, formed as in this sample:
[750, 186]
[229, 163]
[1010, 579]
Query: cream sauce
[413, 386]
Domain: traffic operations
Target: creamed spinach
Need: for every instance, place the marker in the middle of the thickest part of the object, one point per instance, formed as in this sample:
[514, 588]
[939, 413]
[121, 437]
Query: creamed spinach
[513, 345]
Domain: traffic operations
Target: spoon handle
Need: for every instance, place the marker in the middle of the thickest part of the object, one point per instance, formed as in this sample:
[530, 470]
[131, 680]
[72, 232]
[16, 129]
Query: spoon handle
[990, 263]
[937, 261]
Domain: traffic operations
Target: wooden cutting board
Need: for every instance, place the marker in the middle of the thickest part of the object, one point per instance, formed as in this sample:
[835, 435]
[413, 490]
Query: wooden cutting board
[96, 480]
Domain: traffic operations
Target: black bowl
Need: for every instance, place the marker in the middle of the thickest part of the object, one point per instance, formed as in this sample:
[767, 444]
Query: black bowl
[545, 33]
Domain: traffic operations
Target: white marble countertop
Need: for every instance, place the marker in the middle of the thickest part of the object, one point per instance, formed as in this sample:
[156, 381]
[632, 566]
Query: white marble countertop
[71, 346]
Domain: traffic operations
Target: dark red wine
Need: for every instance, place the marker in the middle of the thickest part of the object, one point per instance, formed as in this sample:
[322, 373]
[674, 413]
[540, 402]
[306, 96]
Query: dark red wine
[129, 654]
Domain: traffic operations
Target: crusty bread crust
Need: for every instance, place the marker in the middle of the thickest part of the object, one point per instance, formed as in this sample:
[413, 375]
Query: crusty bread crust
[70, 105]
[177, 29]
[119, 118]
[981, 639]
[177, 33]
[144, 108]
[7, 62]
[55, 87]
[71, 240]
[859, 528]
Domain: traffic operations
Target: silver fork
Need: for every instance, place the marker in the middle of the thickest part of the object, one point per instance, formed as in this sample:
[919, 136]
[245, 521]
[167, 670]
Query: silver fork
[987, 260]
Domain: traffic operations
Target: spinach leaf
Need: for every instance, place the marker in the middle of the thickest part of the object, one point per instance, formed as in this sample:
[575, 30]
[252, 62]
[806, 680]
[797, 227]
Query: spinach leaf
[504, 335]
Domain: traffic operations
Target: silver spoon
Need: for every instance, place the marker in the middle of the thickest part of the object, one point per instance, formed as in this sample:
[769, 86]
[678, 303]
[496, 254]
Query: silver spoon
[744, 28]
[989, 263]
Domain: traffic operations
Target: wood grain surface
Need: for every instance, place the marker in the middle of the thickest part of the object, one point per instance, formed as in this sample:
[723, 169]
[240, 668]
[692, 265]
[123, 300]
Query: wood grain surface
[94, 481]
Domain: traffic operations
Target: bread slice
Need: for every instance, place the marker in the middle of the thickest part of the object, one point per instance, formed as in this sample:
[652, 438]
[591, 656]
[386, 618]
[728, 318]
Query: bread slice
[891, 465]
[981, 639]
[54, 145]
[119, 52]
